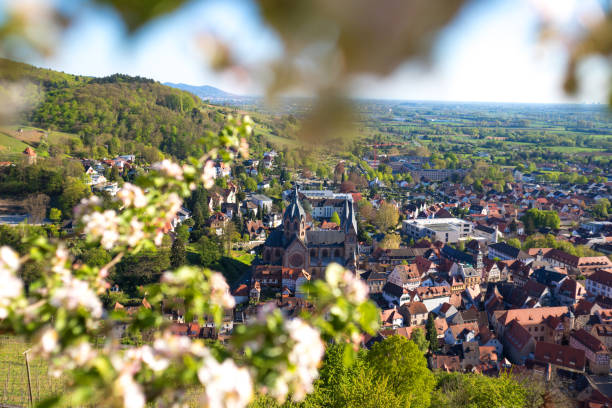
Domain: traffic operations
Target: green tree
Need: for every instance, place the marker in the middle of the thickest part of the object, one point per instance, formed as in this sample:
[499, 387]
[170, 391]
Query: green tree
[74, 190]
[386, 217]
[177, 253]
[210, 251]
[55, 214]
[432, 333]
[419, 338]
[478, 391]
[403, 364]
[335, 218]
[514, 242]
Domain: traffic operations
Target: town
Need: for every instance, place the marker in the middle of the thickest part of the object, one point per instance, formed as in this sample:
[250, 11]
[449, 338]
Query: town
[487, 282]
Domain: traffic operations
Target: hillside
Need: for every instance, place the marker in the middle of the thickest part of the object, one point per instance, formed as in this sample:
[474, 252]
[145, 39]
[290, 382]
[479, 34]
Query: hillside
[205, 91]
[115, 114]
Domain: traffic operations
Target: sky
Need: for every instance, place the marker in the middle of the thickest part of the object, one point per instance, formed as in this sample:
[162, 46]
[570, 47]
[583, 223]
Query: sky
[490, 52]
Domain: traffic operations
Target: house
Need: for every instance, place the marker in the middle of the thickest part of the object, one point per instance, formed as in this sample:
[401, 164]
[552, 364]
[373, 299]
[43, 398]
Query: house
[595, 351]
[570, 292]
[241, 294]
[600, 283]
[604, 333]
[565, 357]
[414, 313]
[537, 321]
[460, 333]
[489, 234]
[406, 276]
[518, 343]
[433, 296]
[262, 201]
[217, 222]
[505, 252]
[375, 280]
[30, 155]
[444, 363]
[391, 318]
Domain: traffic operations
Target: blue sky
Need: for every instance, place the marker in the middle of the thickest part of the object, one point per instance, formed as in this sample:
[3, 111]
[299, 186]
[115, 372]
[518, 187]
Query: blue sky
[491, 52]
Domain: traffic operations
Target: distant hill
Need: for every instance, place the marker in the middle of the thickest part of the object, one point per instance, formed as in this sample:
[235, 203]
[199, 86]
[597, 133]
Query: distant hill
[115, 114]
[206, 91]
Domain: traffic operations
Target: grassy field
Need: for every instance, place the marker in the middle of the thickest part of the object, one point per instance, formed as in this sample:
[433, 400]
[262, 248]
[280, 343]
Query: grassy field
[10, 145]
[14, 378]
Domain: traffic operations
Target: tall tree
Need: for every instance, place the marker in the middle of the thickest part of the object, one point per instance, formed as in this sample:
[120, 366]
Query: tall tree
[432, 333]
[178, 253]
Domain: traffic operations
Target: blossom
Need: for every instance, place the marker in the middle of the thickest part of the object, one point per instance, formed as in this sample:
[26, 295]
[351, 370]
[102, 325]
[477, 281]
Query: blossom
[58, 264]
[75, 293]
[226, 384]
[219, 291]
[86, 204]
[305, 356]
[136, 232]
[243, 148]
[130, 195]
[10, 285]
[169, 168]
[48, 341]
[173, 205]
[346, 283]
[81, 354]
[103, 226]
[354, 288]
[209, 174]
[133, 397]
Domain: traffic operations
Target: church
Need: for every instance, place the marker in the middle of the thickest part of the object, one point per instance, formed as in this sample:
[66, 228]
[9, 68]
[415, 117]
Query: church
[293, 245]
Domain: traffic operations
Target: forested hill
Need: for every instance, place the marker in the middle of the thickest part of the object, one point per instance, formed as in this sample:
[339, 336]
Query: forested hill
[119, 112]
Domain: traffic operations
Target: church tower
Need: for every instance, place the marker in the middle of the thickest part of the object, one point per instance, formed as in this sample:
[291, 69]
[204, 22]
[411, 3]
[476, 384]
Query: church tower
[349, 226]
[294, 219]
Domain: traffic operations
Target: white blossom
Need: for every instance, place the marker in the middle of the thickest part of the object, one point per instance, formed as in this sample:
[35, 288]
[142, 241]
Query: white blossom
[131, 195]
[209, 174]
[226, 385]
[173, 205]
[243, 148]
[81, 353]
[305, 357]
[169, 168]
[354, 288]
[10, 285]
[219, 291]
[75, 293]
[86, 204]
[48, 341]
[58, 264]
[103, 226]
[136, 232]
[133, 397]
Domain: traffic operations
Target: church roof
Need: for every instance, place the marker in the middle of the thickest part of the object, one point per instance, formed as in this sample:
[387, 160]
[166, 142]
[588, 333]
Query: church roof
[295, 209]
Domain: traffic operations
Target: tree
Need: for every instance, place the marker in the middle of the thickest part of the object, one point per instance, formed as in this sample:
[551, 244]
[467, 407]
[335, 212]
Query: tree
[514, 242]
[55, 214]
[177, 253]
[405, 367]
[250, 184]
[335, 218]
[390, 241]
[366, 210]
[210, 250]
[74, 190]
[419, 338]
[386, 217]
[478, 391]
[36, 206]
[432, 333]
